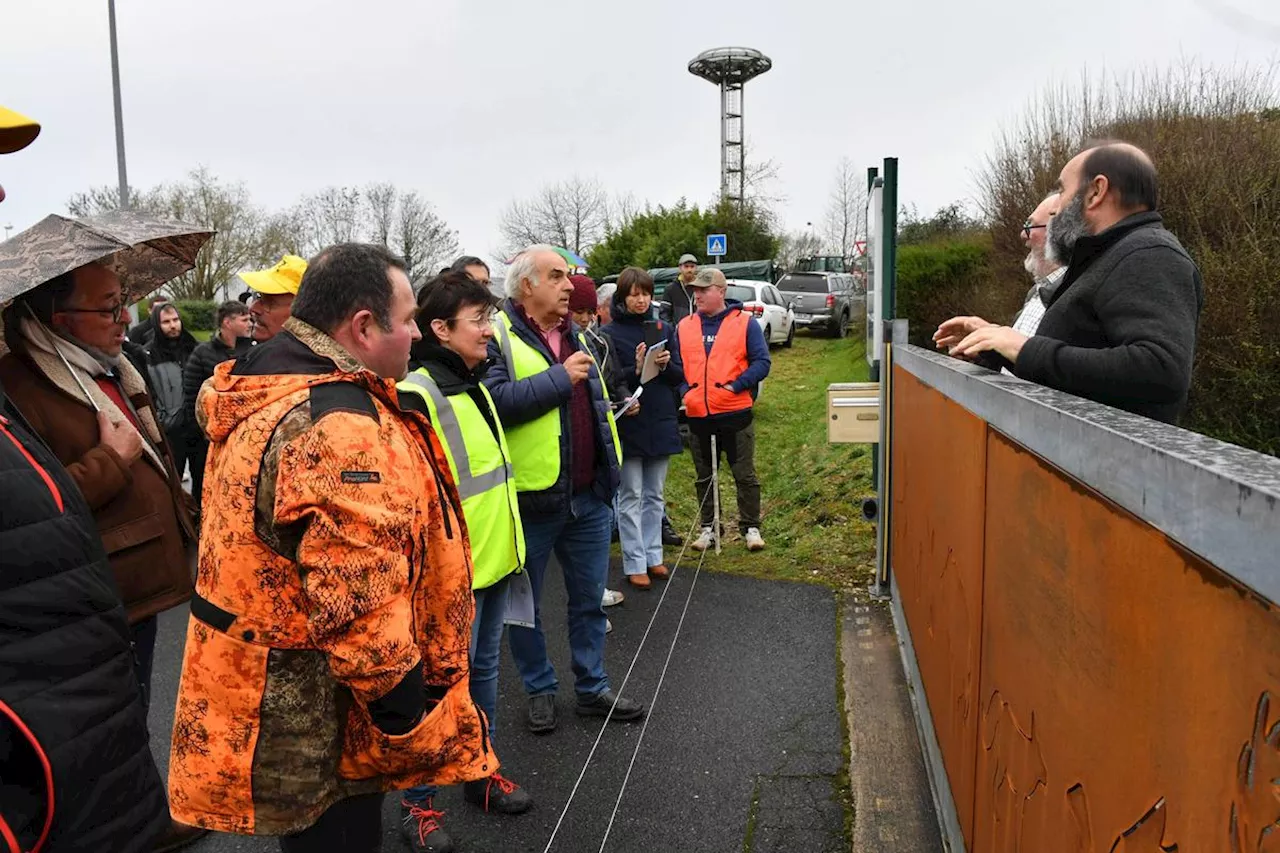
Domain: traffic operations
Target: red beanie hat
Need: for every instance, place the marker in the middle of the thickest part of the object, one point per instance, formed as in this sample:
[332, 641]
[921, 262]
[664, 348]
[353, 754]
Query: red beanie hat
[583, 297]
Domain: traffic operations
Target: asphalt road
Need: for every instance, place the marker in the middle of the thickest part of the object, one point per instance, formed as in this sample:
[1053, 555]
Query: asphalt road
[743, 741]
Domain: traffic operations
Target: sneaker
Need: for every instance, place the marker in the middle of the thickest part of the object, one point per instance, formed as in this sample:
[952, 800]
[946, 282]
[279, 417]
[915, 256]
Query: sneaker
[704, 541]
[542, 713]
[669, 534]
[421, 829]
[610, 598]
[755, 542]
[497, 794]
[608, 627]
[598, 706]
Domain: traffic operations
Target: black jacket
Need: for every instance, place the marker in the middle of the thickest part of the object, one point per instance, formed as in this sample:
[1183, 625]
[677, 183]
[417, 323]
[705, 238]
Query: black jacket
[66, 667]
[680, 297]
[655, 431]
[166, 359]
[204, 358]
[1121, 328]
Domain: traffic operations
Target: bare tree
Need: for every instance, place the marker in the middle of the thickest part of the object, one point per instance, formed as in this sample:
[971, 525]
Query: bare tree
[332, 215]
[422, 238]
[846, 214]
[380, 208]
[245, 234]
[573, 214]
[795, 245]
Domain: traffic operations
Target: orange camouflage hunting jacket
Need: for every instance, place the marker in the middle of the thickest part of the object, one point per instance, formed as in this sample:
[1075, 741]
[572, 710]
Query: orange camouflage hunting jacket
[334, 568]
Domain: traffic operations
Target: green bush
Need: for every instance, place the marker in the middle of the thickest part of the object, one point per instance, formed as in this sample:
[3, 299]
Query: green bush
[938, 280]
[197, 314]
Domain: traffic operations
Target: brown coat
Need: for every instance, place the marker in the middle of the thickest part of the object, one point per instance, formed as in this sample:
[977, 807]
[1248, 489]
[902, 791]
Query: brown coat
[140, 509]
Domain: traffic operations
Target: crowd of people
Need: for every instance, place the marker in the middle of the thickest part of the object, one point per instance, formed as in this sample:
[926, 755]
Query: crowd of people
[380, 477]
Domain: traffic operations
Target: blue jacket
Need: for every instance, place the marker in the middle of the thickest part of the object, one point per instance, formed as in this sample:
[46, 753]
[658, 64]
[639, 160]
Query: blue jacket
[758, 359]
[519, 401]
[655, 431]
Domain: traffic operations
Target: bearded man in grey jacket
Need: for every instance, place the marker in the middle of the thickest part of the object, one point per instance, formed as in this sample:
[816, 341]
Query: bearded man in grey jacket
[1121, 327]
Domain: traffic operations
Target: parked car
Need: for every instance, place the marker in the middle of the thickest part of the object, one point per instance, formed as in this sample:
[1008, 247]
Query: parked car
[766, 304]
[824, 300]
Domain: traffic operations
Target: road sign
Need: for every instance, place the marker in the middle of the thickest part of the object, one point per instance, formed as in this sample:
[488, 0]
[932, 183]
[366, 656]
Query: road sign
[717, 245]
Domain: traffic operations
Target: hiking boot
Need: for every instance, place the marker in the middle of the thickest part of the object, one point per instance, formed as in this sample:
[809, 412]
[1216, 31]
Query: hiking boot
[669, 534]
[660, 572]
[598, 706]
[704, 541]
[542, 713]
[610, 598]
[755, 542]
[422, 829]
[638, 581]
[497, 794]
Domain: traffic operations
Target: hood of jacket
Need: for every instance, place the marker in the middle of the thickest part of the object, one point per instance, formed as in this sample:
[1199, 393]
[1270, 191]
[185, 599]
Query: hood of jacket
[299, 357]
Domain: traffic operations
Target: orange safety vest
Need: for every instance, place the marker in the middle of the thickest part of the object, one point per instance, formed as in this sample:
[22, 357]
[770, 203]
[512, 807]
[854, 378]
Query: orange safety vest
[709, 374]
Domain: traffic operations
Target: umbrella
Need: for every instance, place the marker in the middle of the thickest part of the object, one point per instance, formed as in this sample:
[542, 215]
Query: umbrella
[571, 257]
[143, 249]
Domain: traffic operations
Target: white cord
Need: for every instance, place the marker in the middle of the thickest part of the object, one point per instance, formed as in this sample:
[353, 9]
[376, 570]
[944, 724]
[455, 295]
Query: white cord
[635, 658]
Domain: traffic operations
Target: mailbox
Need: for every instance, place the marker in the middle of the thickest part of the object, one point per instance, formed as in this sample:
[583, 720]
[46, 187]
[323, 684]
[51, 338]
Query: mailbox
[853, 413]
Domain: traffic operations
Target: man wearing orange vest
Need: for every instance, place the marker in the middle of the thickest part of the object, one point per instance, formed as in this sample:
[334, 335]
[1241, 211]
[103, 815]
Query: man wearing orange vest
[724, 356]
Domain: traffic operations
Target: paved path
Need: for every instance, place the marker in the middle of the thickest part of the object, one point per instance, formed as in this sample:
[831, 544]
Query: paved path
[744, 742]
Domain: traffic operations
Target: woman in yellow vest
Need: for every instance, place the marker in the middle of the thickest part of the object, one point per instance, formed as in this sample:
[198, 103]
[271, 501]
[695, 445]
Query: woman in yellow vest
[455, 314]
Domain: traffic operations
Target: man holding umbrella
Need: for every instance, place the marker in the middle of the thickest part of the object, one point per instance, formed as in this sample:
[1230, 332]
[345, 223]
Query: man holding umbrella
[65, 371]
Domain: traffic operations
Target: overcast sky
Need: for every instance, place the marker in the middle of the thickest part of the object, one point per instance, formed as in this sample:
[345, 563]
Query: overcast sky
[475, 103]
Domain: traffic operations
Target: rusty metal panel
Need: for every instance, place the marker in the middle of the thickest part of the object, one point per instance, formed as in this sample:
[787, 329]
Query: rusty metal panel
[1130, 692]
[939, 471]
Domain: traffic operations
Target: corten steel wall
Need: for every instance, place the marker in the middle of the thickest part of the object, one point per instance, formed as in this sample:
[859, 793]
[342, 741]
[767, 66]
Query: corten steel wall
[1087, 598]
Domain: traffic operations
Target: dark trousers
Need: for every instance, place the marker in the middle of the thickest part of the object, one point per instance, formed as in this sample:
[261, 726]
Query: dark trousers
[740, 450]
[144, 653]
[353, 825]
[198, 455]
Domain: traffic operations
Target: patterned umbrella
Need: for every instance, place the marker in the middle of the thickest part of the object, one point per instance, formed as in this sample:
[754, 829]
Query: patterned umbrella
[144, 250]
[571, 257]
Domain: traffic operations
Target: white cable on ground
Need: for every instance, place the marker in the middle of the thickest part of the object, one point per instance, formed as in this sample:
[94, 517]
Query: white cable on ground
[634, 659]
[652, 703]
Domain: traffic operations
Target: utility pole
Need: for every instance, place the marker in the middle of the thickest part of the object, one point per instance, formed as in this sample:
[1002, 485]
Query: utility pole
[115, 90]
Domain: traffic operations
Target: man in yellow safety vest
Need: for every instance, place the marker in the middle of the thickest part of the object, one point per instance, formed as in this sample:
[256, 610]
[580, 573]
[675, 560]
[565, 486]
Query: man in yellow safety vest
[564, 445]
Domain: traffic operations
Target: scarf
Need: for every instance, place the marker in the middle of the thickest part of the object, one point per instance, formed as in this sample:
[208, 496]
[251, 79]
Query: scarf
[74, 368]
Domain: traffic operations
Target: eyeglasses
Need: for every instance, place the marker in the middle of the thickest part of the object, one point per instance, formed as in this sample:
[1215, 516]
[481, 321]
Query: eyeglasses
[485, 322]
[116, 311]
[1027, 228]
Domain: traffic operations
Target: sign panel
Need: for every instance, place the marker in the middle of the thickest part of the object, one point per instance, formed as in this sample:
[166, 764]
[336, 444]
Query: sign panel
[717, 245]
[875, 271]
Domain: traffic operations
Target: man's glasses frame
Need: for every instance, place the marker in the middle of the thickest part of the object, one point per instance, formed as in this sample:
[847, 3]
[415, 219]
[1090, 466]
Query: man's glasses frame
[117, 311]
[1027, 228]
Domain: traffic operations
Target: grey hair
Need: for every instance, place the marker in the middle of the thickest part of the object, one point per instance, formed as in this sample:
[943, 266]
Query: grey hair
[707, 275]
[524, 266]
[605, 293]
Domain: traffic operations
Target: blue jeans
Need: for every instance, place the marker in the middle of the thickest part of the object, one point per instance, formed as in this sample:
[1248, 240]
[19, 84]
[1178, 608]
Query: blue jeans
[640, 511]
[581, 545]
[486, 650]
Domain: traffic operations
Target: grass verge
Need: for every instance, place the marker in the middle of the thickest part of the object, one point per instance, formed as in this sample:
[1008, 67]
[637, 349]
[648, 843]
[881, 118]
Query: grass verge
[810, 489]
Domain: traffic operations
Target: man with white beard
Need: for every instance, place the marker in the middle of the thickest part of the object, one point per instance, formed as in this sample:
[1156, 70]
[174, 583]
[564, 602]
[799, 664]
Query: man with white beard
[1121, 327]
[1046, 274]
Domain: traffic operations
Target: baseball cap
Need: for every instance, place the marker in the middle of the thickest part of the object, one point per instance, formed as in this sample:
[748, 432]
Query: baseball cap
[687, 258]
[16, 131]
[284, 277]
